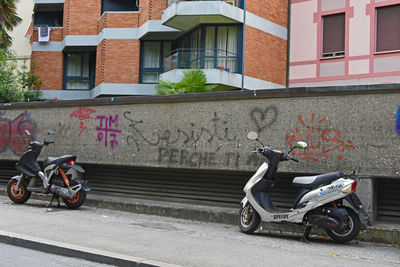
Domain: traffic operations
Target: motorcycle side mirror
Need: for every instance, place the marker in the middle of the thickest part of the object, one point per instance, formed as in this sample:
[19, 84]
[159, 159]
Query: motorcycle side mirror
[252, 135]
[28, 133]
[51, 132]
[302, 145]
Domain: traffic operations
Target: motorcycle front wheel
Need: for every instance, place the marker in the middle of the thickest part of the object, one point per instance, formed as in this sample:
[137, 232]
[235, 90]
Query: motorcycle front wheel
[350, 231]
[78, 199]
[21, 194]
[249, 219]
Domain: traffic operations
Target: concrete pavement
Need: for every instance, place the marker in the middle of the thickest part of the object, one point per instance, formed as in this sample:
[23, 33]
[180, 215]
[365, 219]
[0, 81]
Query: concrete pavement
[388, 233]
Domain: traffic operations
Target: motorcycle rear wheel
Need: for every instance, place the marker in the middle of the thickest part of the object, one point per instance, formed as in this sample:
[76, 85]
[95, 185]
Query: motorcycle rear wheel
[78, 199]
[353, 226]
[249, 219]
[22, 195]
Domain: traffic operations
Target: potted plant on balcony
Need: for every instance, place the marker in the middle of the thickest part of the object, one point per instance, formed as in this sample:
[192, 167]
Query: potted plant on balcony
[193, 81]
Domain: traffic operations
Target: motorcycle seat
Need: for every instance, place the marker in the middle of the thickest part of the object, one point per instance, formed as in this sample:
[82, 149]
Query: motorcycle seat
[317, 180]
[58, 160]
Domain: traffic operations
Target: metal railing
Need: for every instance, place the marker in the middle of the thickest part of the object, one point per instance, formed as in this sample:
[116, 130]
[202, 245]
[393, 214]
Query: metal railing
[188, 58]
[232, 2]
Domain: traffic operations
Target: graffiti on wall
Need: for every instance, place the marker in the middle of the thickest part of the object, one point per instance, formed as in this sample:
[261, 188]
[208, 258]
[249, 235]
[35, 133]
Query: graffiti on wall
[166, 141]
[82, 114]
[398, 121]
[12, 133]
[264, 118]
[107, 130]
[321, 142]
[217, 131]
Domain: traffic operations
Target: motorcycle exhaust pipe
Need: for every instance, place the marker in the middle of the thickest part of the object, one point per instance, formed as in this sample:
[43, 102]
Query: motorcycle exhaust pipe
[64, 192]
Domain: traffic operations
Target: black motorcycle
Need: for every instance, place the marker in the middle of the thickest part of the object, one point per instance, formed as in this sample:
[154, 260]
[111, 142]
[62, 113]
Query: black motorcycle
[60, 176]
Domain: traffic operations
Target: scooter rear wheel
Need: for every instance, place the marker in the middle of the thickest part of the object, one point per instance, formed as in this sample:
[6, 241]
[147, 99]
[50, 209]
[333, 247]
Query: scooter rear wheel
[249, 219]
[78, 200]
[353, 226]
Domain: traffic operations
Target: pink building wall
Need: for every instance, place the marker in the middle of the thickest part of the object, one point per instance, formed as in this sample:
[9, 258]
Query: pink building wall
[360, 64]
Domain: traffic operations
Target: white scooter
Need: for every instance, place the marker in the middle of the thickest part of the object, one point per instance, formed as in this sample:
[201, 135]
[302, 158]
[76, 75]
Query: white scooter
[319, 201]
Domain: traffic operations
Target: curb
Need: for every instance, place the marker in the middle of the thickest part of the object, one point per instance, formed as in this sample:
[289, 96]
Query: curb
[69, 250]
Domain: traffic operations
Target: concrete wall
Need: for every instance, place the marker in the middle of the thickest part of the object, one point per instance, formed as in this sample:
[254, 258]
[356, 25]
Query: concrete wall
[344, 132]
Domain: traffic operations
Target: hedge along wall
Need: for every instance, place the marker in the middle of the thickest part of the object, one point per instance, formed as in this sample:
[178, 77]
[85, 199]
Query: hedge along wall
[345, 130]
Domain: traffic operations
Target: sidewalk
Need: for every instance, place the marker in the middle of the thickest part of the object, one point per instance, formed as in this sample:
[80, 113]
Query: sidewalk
[379, 232]
[384, 233]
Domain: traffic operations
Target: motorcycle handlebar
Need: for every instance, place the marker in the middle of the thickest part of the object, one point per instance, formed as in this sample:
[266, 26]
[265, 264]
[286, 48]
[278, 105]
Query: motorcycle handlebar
[46, 143]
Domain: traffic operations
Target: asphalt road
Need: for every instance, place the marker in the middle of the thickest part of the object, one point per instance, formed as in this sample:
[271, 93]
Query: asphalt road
[12, 256]
[183, 242]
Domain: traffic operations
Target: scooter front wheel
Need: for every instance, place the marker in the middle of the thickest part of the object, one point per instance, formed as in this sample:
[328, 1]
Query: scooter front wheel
[18, 195]
[249, 219]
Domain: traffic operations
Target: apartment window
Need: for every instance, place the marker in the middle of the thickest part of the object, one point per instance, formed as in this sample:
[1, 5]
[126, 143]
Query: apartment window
[153, 53]
[79, 70]
[119, 5]
[388, 28]
[208, 47]
[333, 35]
[50, 15]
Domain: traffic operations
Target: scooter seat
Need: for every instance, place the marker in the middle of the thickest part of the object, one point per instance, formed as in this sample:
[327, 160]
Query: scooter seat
[317, 180]
[58, 160]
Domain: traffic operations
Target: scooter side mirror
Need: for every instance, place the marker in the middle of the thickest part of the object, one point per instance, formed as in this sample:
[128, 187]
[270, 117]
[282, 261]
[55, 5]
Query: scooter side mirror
[302, 145]
[28, 133]
[252, 135]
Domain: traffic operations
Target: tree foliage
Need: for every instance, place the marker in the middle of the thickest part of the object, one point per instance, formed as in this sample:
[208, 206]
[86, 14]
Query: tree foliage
[8, 20]
[15, 85]
[193, 81]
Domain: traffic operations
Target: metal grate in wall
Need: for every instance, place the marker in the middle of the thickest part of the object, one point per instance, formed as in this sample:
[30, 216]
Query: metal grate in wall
[388, 199]
[221, 188]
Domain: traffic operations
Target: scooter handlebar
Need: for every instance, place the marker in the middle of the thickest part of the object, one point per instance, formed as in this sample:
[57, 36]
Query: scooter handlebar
[292, 158]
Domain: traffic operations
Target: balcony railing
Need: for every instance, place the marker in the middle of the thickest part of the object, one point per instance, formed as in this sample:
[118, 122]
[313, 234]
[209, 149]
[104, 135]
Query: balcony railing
[232, 2]
[187, 58]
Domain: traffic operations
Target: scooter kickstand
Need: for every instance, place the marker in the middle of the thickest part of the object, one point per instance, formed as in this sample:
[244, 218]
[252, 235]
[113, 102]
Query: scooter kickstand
[306, 236]
[58, 201]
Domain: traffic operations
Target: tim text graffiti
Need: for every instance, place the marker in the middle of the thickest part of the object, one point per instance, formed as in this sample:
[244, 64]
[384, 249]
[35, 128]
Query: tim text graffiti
[107, 130]
[12, 133]
[321, 142]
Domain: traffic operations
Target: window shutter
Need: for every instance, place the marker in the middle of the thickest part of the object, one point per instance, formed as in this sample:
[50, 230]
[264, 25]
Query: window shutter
[333, 34]
[388, 28]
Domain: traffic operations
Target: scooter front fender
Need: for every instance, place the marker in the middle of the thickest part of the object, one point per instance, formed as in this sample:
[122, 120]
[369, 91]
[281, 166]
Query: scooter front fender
[17, 177]
[244, 202]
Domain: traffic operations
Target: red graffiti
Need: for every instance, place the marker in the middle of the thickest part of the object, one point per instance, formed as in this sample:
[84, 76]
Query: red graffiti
[12, 133]
[320, 141]
[63, 129]
[82, 114]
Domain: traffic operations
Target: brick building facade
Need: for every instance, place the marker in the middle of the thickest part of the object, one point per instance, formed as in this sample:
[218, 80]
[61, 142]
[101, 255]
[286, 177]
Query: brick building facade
[97, 48]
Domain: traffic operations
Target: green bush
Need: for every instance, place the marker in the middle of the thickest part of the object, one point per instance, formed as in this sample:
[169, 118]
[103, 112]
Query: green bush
[193, 81]
[16, 86]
